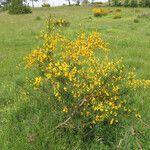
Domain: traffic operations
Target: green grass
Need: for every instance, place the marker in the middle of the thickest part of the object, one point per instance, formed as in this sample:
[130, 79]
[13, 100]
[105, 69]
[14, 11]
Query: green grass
[26, 118]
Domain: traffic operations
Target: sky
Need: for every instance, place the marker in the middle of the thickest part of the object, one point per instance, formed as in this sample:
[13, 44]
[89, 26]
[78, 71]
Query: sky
[54, 2]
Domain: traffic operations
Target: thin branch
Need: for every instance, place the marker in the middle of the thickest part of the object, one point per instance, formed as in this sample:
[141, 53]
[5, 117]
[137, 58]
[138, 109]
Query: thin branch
[70, 117]
[147, 125]
[137, 140]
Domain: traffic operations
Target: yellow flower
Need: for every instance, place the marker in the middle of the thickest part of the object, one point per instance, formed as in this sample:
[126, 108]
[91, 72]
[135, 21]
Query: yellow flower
[97, 119]
[112, 121]
[88, 113]
[65, 109]
[65, 89]
[38, 81]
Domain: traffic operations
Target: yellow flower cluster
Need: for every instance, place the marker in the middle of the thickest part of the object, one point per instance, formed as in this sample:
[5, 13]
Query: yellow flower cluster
[90, 86]
[61, 23]
[99, 12]
[51, 21]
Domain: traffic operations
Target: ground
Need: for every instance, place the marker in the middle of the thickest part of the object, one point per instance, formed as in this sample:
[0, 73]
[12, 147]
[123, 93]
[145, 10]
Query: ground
[18, 33]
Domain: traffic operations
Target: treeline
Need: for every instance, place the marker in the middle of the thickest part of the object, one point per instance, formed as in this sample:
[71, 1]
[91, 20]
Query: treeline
[131, 3]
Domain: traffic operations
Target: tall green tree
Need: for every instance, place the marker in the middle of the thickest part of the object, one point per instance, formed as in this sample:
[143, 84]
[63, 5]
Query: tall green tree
[17, 7]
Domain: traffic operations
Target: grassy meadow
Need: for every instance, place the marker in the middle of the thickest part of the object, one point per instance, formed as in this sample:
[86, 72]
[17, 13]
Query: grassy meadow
[25, 116]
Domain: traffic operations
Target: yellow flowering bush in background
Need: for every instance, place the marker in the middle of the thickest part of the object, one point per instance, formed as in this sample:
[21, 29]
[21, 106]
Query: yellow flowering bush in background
[99, 12]
[86, 84]
[52, 22]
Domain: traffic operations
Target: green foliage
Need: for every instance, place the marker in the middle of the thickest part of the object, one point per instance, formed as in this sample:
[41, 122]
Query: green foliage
[136, 21]
[147, 3]
[5, 7]
[38, 18]
[17, 7]
[46, 5]
[118, 10]
[117, 16]
[116, 2]
[134, 3]
[126, 3]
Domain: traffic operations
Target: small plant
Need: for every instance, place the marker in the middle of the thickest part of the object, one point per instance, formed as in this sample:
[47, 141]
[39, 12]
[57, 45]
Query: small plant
[117, 16]
[99, 12]
[38, 18]
[136, 21]
[111, 11]
[118, 10]
[46, 5]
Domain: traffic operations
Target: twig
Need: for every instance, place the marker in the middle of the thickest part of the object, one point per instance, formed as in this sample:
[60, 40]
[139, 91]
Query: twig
[70, 117]
[147, 125]
[120, 142]
[137, 140]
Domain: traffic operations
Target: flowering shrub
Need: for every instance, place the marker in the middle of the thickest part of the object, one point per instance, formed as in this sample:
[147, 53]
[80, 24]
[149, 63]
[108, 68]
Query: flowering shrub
[89, 89]
[61, 23]
[99, 12]
[54, 23]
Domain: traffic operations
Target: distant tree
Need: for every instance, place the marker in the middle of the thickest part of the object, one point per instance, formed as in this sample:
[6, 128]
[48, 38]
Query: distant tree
[69, 3]
[147, 3]
[141, 3]
[134, 3]
[33, 2]
[86, 2]
[77, 2]
[17, 7]
[8, 1]
[126, 3]
[115, 2]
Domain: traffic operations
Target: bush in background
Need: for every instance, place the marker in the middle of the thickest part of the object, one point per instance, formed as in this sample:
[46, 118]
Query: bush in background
[46, 5]
[99, 12]
[116, 3]
[56, 23]
[118, 10]
[17, 7]
[136, 21]
[147, 3]
[134, 3]
[126, 3]
[117, 16]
